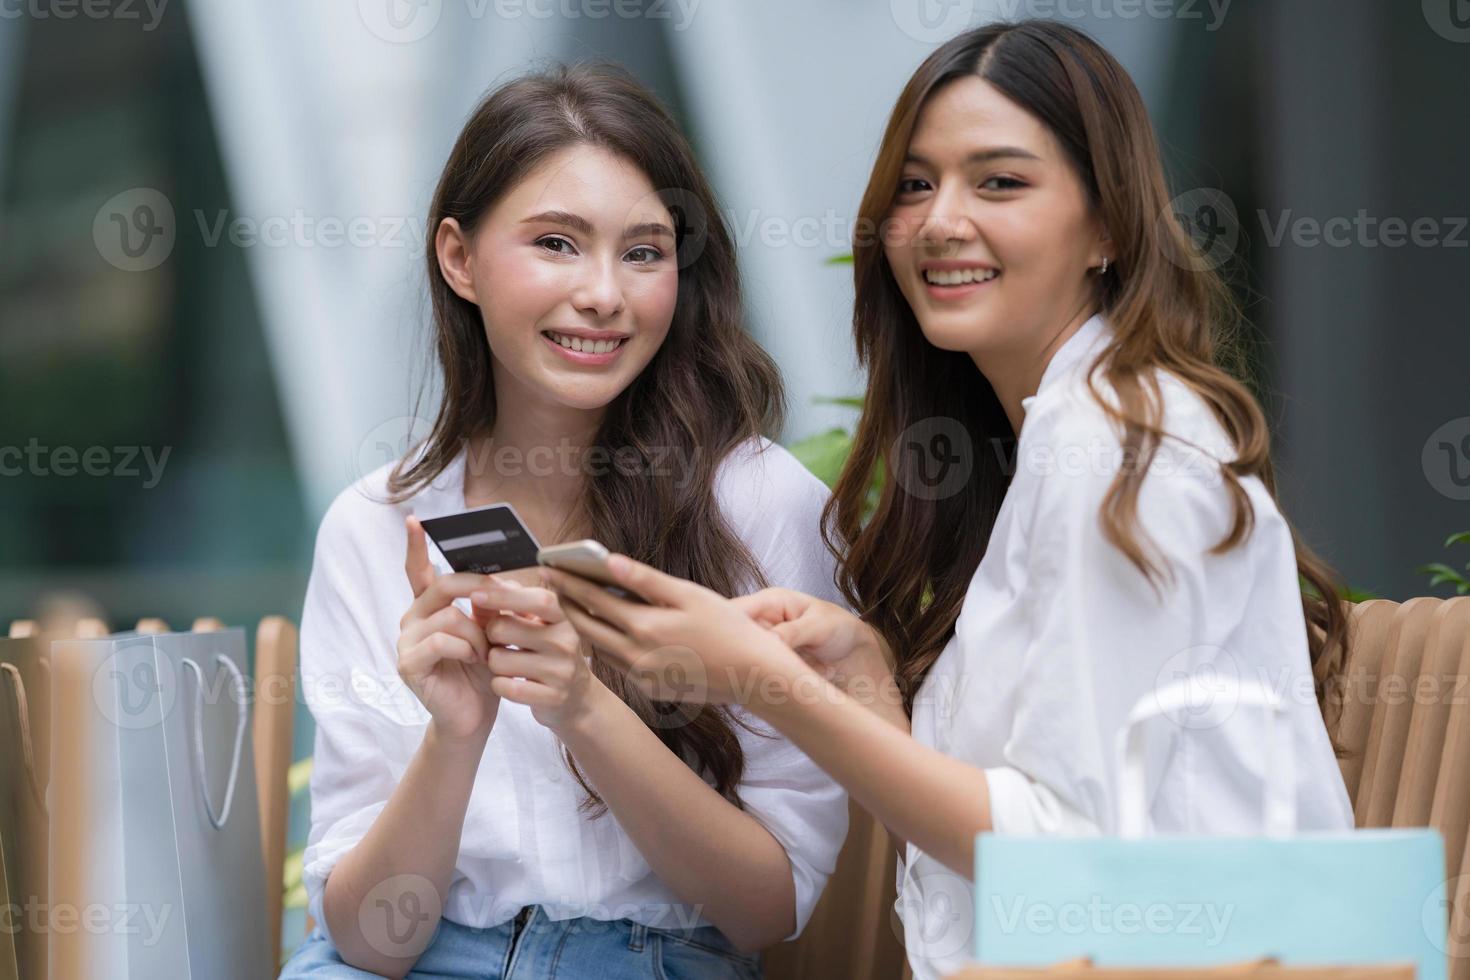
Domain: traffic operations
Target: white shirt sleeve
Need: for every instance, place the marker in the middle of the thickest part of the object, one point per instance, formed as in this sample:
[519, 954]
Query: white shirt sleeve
[1101, 637]
[774, 504]
[353, 773]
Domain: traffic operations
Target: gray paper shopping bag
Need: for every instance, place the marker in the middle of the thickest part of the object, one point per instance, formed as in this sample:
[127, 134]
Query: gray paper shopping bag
[157, 819]
[24, 732]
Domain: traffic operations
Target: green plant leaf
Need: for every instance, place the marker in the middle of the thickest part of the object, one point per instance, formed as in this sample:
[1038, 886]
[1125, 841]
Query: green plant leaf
[298, 777]
[1351, 594]
[851, 401]
[1462, 538]
[1442, 573]
[824, 454]
[843, 259]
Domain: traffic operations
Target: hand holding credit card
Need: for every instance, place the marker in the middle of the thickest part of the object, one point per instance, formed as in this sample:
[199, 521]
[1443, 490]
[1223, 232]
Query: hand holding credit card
[485, 540]
[494, 539]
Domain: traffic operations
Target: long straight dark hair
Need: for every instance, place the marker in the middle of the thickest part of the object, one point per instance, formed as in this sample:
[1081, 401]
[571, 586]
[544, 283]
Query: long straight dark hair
[908, 567]
[707, 390]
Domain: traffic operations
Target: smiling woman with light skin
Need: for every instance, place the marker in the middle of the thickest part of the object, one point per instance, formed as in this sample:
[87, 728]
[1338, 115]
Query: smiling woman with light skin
[489, 797]
[1116, 526]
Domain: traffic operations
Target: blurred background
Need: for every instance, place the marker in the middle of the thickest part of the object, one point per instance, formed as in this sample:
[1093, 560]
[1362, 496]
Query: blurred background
[212, 305]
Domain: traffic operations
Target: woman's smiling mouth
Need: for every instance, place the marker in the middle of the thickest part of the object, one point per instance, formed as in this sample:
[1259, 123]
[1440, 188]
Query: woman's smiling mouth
[601, 348]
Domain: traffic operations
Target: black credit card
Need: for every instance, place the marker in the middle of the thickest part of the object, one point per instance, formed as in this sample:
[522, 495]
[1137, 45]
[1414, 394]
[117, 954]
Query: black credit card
[485, 540]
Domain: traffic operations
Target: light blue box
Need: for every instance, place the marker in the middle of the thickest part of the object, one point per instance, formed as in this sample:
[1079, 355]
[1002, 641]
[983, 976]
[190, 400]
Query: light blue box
[1365, 897]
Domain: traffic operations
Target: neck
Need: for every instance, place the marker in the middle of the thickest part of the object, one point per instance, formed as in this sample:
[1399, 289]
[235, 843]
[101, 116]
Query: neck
[533, 456]
[1015, 373]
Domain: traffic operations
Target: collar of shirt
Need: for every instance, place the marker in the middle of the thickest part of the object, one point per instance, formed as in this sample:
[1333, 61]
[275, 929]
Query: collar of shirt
[1075, 350]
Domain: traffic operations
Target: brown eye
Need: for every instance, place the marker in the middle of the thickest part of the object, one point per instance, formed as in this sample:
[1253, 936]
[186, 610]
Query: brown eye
[644, 255]
[556, 244]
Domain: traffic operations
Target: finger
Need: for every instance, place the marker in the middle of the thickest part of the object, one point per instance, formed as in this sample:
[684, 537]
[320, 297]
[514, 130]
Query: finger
[422, 656]
[537, 602]
[448, 620]
[509, 631]
[416, 564]
[593, 598]
[649, 582]
[521, 690]
[444, 590]
[518, 663]
[802, 633]
[605, 640]
[771, 606]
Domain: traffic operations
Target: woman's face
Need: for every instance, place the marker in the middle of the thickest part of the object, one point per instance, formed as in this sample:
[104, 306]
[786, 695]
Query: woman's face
[575, 275]
[990, 237]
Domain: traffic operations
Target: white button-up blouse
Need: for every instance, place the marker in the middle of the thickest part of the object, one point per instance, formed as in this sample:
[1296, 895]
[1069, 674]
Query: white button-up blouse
[1059, 636]
[525, 842]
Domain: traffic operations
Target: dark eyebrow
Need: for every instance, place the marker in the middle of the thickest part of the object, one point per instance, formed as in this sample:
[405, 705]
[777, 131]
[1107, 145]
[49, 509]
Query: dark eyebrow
[984, 156]
[578, 223]
[574, 221]
[655, 229]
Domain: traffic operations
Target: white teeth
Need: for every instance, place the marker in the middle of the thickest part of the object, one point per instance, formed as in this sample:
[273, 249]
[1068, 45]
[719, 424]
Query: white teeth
[958, 277]
[584, 346]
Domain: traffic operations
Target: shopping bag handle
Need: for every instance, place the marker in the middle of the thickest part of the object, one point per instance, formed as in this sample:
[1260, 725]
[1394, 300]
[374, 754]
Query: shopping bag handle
[23, 715]
[1279, 774]
[217, 820]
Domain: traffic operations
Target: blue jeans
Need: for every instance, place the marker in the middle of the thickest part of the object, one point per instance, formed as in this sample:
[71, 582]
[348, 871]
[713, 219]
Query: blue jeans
[532, 947]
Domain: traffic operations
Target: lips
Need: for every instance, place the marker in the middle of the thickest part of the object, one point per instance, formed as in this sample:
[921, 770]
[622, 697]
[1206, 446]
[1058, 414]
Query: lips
[953, 280]
[594, 350]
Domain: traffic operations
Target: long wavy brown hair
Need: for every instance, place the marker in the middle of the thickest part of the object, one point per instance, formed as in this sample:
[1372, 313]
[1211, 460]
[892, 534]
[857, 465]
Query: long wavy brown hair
[907, 567]
[707, 390]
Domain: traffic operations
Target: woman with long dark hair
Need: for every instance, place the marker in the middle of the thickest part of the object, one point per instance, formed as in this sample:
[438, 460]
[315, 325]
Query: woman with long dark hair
[485, 796]
[1077, 509]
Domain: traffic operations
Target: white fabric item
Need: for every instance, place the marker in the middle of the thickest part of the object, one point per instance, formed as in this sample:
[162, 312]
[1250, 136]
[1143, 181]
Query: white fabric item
[525, 842]
[1059, 637]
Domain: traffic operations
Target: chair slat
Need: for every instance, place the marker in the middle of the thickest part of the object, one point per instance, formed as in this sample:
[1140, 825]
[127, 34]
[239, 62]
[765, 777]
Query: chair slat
[1367, 637]
[1450, 811]
[275, 701]
[1432, 698]
[1393, 708]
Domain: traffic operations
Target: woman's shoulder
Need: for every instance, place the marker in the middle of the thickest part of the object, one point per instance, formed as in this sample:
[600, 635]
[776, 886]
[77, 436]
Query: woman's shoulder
[774, 504]
[363, 513]
[1071, 417]
[759, 475]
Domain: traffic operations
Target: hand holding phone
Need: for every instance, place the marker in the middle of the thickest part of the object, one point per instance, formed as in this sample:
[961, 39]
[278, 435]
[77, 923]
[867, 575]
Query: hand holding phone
[588, 559]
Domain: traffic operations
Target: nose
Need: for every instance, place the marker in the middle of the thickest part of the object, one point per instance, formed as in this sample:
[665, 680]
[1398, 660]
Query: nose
[947, 219]
[599, 291]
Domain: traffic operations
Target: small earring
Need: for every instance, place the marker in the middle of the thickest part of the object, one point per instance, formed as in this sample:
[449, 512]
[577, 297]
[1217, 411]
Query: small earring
[1104, 270]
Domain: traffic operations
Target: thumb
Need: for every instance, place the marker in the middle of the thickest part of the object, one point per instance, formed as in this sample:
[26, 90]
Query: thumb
[646, 581]
[416, 564]
[800, 633]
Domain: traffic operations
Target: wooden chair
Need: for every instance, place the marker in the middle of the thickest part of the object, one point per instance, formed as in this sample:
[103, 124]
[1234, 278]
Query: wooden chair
[1406, 725]
[853, 932]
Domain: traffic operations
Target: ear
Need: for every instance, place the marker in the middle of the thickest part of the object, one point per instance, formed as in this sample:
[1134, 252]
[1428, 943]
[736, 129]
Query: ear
[453, 248]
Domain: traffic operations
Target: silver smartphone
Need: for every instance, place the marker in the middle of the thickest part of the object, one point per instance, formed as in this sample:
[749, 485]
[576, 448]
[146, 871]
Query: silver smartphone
[585, 558]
